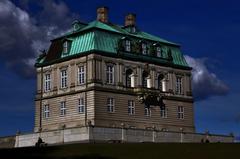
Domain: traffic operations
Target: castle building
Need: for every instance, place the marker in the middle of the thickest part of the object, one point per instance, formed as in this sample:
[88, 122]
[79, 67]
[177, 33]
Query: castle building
[113, 76]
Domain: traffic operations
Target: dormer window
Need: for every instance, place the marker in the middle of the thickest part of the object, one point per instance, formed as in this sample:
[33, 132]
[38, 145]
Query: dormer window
[65, 47]
[144, 48]
[127, 45]
[159, 51]
[133, 29]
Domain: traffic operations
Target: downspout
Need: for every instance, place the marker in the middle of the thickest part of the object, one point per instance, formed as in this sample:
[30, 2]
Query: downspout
[86, 91]
[40, 113]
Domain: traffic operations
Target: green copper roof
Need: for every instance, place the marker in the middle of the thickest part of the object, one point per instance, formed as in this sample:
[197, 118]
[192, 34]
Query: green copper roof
[98, 36]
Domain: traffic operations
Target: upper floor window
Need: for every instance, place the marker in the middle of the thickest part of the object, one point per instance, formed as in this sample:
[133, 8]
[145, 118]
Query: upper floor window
[180, 112]
[127, 45]
[81, 75]
[65, 47]
[159, 51]
[110, 74]
[81, 105]
[129, 78]
[178, 85]
[160, 82]
[63, 78]
[131, 107]
[63, 108]
[47, 82]
[145, 80]
[163, 111]
[110, 104]
[46, 112]
[144, 48]
[147, 111]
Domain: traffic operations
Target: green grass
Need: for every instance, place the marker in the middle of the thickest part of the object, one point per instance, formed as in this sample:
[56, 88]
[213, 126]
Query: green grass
[127, 151]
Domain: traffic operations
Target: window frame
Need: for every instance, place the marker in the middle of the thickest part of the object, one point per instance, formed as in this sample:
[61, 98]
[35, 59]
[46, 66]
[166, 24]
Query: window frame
[63, 108]
[47, 82]
[144, 48]
[81, 105]
[147, 111]
[110, 105]
[163, 112]
[110, 74]
[65, 47]
[81, 75]
[158, 51]
[179, 85]
[131, 107]
[127, 45]
[46, 111]
[180, 110]
[63, 79]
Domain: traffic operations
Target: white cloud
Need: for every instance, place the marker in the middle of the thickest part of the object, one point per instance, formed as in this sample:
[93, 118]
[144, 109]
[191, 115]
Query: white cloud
[205, 83]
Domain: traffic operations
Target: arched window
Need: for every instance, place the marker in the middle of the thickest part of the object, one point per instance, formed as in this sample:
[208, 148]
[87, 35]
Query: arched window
[160, 82]
[129, 78]
[145, 80]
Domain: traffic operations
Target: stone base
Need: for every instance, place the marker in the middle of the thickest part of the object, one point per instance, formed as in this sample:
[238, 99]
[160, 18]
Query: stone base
[115, 135]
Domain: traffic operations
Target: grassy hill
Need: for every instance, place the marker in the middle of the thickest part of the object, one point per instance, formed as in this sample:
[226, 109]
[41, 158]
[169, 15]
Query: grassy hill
[127, 151]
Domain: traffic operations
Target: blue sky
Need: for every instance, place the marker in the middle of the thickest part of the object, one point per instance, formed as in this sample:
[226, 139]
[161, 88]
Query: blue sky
[208, 32]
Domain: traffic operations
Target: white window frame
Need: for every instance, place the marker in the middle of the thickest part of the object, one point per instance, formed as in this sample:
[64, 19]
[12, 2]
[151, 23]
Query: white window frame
[63, 108]
[64, 76]
[127, 45]
[144, 48]
[147, 111]
[179, 85]
[81, 105]
[110, 74]
[46, 111]
[110, 105]
[47, 82]
[180, 112]
[65, 47]
[81, 75]
[131, 107]
[163, 112]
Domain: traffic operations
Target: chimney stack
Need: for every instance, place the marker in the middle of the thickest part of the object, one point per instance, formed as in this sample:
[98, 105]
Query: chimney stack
[102, 14]
[130, 19]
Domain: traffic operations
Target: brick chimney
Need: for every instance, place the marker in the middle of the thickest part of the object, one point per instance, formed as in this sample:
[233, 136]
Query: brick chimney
[130, 19]
[102, 14]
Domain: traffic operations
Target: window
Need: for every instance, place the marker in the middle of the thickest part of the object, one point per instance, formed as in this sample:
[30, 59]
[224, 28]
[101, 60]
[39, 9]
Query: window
[65, 47]
[160, 80]
[46, 112]
[131, 107]
[179, 85]
[63, 78]
[145, 79]
[127, 45]
[147, 111]
[81, 105]
[144, 49]
[159, 51]
[163, 112]
[81, 74]
[180, 112]
[110, 74]
[63, 108]
[129, 78]
[47, 82]
[110, 105]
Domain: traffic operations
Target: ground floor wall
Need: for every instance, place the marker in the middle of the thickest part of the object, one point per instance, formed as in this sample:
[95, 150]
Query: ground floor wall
[104, 134]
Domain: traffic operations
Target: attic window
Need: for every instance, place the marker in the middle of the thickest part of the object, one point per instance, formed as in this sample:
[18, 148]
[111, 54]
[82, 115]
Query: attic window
[65, 47]
[75, 27]
[159, 51]
[144, 48]
[127, 45]
[133, 29]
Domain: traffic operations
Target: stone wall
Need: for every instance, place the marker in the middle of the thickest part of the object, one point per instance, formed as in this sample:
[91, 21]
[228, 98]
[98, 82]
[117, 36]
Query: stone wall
[103, 134]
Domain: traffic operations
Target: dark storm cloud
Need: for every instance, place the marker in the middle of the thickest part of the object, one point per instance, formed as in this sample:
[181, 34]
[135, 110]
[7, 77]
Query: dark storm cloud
[22, 36]
[205, 83]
